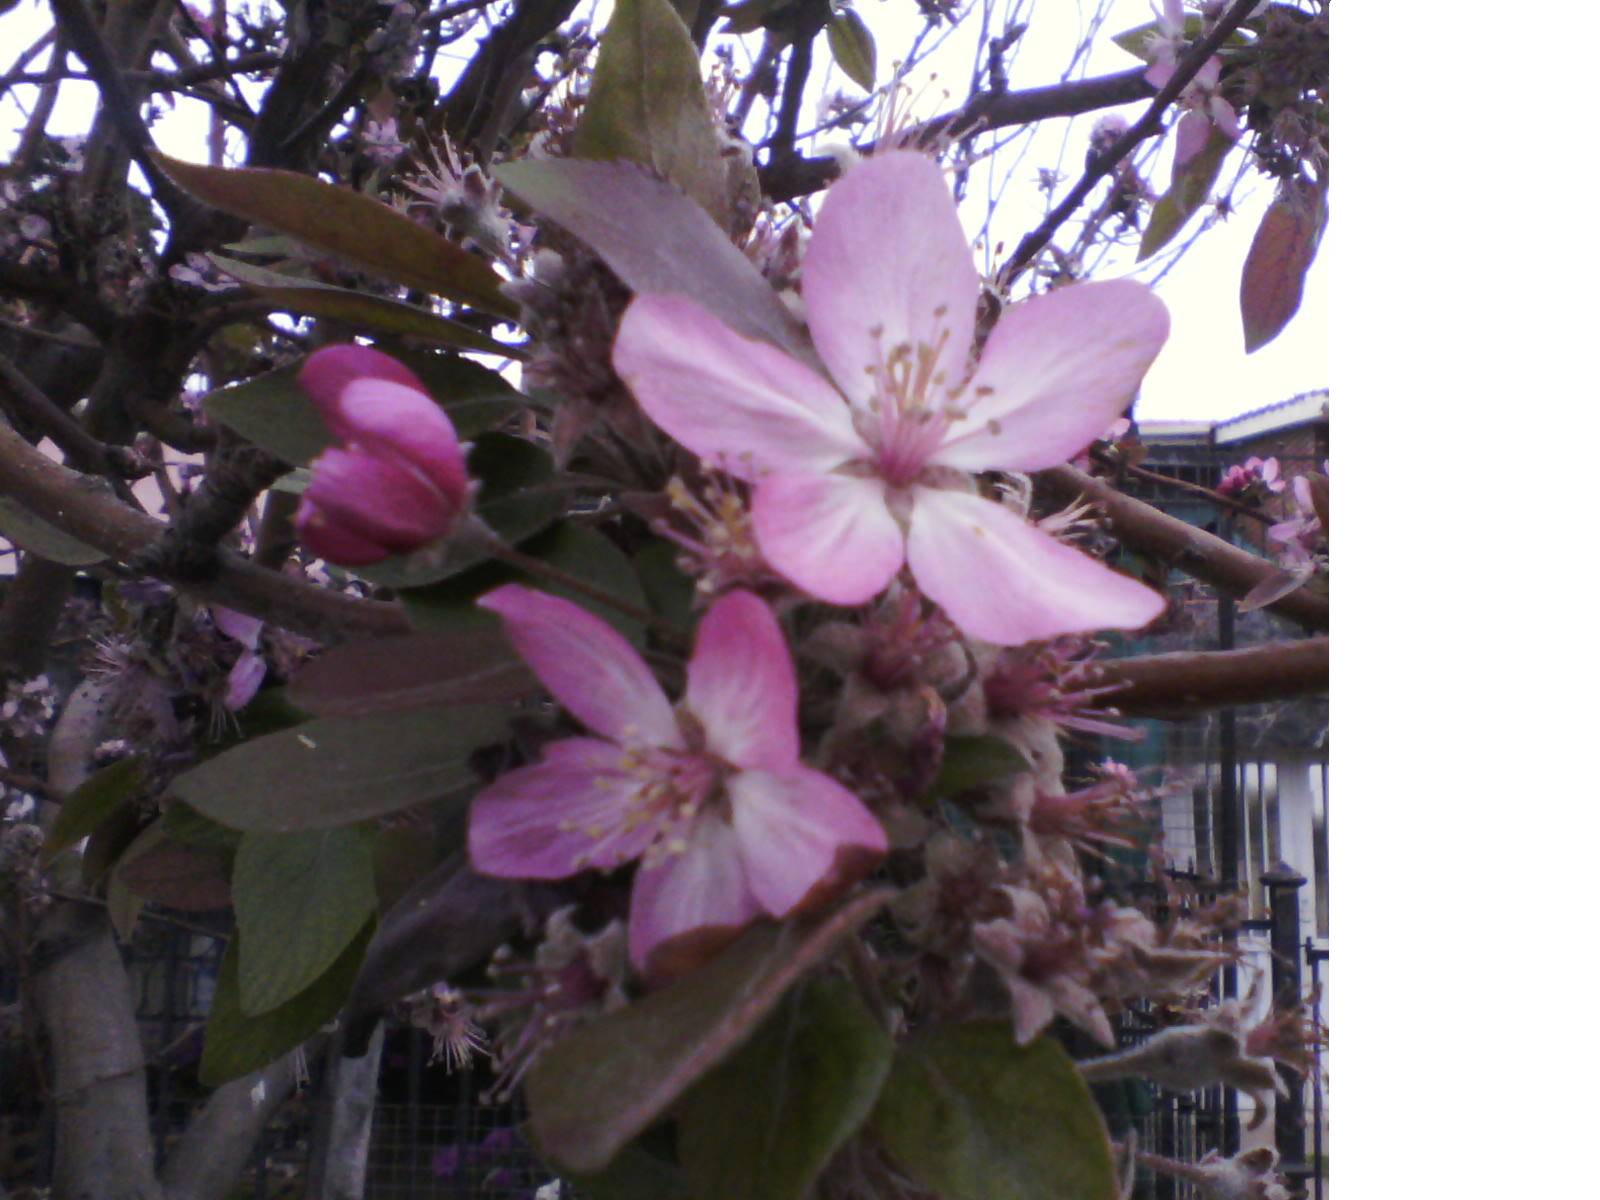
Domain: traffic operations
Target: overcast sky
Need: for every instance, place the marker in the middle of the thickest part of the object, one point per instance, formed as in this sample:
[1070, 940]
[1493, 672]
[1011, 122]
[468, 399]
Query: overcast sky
[1202, 373]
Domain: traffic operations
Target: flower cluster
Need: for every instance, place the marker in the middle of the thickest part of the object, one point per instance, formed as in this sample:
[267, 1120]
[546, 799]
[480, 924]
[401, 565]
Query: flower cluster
[1252, 475]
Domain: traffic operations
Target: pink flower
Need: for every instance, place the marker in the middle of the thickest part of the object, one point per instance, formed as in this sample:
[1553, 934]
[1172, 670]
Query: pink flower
[397, 481]
[860, 476]
[711, 797]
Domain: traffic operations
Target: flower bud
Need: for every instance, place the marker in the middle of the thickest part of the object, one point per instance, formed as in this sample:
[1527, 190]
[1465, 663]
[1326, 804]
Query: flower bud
[397, 480]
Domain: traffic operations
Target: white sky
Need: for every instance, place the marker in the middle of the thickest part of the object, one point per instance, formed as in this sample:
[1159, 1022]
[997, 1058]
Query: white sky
[1203, 373]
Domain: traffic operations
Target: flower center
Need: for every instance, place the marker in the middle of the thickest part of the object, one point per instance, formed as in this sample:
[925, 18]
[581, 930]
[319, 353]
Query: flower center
[906, 420]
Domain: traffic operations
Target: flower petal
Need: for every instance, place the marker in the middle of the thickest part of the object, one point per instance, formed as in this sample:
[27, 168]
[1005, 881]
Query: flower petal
[830, 535]
[576, 810]
[586, 665]
[804, 837]
[1194, 131]
[889, 264]
[377, 498]
[690, 902]
[402, 421]
[740, 403]
[328, 371]
[742, 685]
[1058, 369]
[1001, 580]
[324, 538]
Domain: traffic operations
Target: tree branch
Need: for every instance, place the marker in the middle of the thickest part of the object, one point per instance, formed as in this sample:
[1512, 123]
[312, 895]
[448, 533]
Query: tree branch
[1203, 555]
[1172, 686]
[67, 501]
[797, 176]
[1102, 164]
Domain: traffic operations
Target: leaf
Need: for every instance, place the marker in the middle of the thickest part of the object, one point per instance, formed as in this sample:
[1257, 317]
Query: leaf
[597, 1090]
[123, 907]
[853, 47]
[27, 532]
[237, 1044]
[1190, 190]
[300, 898]
[671, 592]
[91, 802]
[184, 824]
[1136, 41]
[363, 310]
[971, 1115]
[635, 1174]
[657, 240]
[750, 15]
[768, 1120]
[158, 868]
[271, 410]
[419, 670]
[340, 770]
[347, 224]
[647, 105]
[1281, 253]
[516, 501]
[972, 762]
[1318, 484]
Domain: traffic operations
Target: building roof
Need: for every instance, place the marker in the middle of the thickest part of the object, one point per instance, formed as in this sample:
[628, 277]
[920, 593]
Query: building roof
[1298, 410]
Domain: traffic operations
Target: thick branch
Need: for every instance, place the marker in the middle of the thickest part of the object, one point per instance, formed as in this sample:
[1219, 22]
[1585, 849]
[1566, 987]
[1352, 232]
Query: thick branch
[1102, 164]
[1203, 555]
[66, 500]
[1172, 686]
[27, 402]
[795, 176]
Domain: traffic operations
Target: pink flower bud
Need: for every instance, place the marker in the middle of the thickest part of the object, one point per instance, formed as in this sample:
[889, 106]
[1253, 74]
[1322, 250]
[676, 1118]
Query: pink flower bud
[397, 481]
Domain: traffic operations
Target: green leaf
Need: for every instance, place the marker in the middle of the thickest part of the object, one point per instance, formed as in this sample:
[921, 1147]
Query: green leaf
[594, 558]
[597, 1090]
[184, 824]
[363, 310]
[972, 762]
[750, 15]
[1190, 190]
[27, 532]
[767, 1121]
[1282, 251]
[237, 1044]
[91, 802]
[362, 231]
[1136, 41]
[635, 1174]
[671, 592]
[647, 105]
[271, 410]
[657, 240]
[516, 501]
[853, 47]
[970, 1115]
[340, 770]
[123, 907]
[420, 670]
[300, 898]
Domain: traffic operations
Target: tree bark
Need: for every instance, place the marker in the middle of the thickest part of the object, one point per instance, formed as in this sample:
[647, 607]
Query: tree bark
[343, 1126]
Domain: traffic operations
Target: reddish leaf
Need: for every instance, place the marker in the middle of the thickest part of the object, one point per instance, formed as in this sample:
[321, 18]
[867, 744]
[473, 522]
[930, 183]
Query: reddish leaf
[181, 876]
[421, 670]
[1275, 269]
[345, 223]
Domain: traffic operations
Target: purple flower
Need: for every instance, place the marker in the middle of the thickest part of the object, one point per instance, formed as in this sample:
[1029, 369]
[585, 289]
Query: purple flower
[875, 469]
[397, 480]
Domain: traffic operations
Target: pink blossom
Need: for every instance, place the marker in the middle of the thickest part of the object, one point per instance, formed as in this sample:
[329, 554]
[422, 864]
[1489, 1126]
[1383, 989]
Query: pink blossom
[857, 477]
[711, 797]
[1240, 478]
[397, 481]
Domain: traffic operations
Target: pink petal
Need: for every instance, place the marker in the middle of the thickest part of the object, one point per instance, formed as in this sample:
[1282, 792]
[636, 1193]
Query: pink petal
[804, 837]
[1205, 79]
[1059, 369]
[742, 685]
[244, 680]
[738, 402]
[1194, 131]
[330, 370]
[378, 499]
[889, 264]
[586, 665]
[324, 538]
[243, 629]
[1224, 118]
[691, 901]
[831, 535]
[404, 422]
[1003, 581]
[1160, 73]
[577, 809]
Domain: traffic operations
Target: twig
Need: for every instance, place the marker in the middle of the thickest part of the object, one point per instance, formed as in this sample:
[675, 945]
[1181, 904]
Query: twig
[29, 404]
[1182, 485]
[1171, 686]
[1101, 164]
